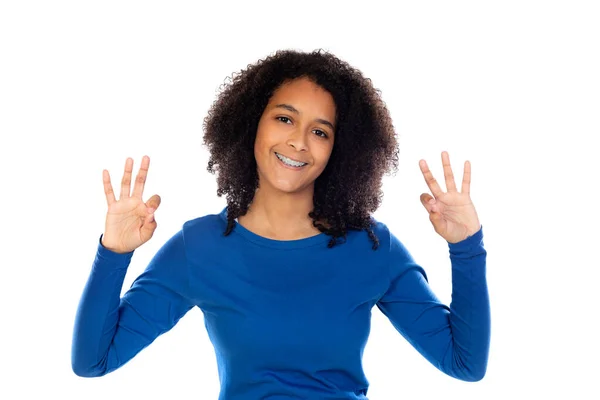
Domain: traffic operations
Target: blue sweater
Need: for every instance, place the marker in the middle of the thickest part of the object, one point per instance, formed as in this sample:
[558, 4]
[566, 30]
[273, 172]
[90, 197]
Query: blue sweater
[287, 319]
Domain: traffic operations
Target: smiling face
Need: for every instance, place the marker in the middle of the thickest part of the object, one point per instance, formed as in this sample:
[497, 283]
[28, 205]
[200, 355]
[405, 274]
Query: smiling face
[295, 137]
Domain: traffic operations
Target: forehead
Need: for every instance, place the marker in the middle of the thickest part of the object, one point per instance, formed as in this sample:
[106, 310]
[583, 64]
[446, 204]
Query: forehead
[304, 93]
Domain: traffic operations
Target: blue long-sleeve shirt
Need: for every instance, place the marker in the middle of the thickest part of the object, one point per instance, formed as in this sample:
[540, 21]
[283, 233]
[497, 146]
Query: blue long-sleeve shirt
[288, 319]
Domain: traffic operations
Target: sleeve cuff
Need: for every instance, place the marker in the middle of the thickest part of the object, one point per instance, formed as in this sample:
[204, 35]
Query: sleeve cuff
[106, 254]
[468, 245]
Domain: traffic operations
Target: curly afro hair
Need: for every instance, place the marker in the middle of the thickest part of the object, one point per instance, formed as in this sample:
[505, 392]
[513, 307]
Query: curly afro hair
[365, 148]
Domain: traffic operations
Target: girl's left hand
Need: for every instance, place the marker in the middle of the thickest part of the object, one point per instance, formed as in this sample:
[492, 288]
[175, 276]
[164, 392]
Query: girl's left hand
[452, 213]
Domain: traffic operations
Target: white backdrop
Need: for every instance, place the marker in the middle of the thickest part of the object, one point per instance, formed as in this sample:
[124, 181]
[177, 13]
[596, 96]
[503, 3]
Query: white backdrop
[512, 86]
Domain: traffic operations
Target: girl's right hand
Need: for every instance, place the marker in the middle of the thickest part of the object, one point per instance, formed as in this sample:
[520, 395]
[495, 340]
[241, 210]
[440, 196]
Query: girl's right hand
[129, 222]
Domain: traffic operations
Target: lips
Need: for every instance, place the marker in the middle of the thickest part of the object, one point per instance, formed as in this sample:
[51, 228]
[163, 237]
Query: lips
[293, 159]
[287, 165]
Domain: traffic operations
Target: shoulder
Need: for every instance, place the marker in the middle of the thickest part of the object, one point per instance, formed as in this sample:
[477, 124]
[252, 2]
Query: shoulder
[381, 230]
[204, 234]
[205, 223]
[396, 253]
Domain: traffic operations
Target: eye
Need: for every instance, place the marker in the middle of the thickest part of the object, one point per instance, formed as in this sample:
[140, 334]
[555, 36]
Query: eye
[320, 133]
[287, 120]
[283, 119]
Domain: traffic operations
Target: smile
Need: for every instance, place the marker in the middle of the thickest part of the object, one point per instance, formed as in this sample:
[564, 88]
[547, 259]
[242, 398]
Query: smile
[289, 162]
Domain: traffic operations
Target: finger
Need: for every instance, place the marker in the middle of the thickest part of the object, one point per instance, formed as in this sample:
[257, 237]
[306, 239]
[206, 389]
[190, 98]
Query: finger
[425, 200]
[140, 180]
[108, 189]
[429, 179]
[153, 202]
[448, 175]
[466, 182]
[126, 181]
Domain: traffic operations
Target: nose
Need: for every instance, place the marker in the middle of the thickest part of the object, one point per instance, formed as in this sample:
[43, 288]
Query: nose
[297, 140]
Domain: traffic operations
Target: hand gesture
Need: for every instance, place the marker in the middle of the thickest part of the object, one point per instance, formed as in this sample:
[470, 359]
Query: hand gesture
[129, 221]
[452, 213]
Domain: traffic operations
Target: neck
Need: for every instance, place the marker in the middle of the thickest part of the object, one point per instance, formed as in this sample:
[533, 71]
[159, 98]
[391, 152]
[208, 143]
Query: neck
[280, 215]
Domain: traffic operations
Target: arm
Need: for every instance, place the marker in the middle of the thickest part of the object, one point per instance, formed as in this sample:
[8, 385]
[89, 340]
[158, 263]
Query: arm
[109, 330]
[455, 339]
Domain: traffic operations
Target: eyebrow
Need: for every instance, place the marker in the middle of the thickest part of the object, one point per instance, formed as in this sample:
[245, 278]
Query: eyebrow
[292, 109]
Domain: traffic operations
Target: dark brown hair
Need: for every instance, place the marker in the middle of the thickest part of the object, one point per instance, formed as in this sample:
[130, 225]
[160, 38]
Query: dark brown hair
[365, 147]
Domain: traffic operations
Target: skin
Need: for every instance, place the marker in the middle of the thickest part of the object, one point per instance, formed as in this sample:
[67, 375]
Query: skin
[299, 123]
[285, 197]
[451, 213]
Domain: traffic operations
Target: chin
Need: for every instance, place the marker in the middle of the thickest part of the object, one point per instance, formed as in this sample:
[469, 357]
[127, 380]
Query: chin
[290, 188]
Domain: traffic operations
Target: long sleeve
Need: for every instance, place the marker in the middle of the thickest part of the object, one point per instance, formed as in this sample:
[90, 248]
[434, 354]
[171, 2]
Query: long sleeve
[110, 330]
[455, 339]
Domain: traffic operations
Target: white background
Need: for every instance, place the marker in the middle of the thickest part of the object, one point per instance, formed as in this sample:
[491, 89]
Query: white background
[512, 86]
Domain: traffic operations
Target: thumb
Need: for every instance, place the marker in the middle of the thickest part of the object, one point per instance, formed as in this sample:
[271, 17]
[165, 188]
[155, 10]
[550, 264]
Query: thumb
[149, 226]
[437, 221]
[149, 220]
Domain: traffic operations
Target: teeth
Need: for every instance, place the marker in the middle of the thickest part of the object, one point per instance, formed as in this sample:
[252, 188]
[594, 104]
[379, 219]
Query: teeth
[289, 161]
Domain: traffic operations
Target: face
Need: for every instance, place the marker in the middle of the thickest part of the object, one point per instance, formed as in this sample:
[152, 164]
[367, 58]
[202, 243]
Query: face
[295, 137]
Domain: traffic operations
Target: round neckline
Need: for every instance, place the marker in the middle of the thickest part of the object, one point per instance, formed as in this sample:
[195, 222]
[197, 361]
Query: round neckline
[274, 243]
